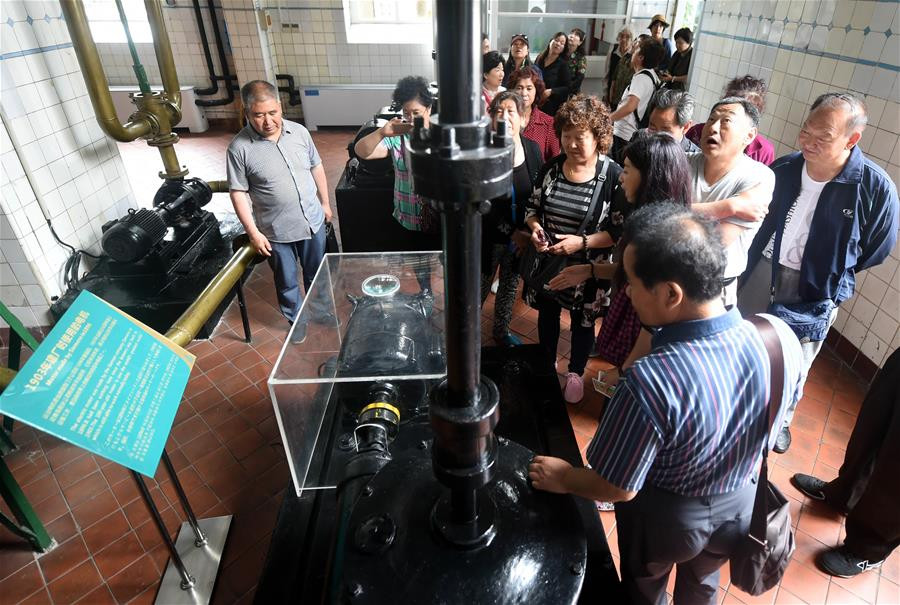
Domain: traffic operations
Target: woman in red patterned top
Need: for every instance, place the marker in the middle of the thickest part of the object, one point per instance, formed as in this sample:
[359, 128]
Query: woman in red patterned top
[529, 85]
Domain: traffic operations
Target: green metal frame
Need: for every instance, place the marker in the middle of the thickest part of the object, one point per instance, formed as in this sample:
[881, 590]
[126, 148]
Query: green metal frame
[26, 525]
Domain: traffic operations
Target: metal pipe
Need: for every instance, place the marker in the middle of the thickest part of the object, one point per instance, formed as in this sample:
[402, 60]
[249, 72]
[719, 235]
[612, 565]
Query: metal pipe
[291, 89]
[204, 44]
[139, 72]
[95, 77]
[191, 321]
[218, 186]
[187, 580]
[163, 49]
[460, 99]
[199, 538]
[220, 49]
[170, 161]
[214, 79]
[462, 277]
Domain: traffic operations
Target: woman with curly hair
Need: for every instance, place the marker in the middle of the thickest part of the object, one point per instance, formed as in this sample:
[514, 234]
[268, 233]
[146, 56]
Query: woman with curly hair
[753, 89]
[655, 170]
[554, 65]
[528, 84]
[572, 193]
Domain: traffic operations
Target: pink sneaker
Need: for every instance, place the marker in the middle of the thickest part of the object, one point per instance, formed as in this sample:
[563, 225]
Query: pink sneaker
[574, 388]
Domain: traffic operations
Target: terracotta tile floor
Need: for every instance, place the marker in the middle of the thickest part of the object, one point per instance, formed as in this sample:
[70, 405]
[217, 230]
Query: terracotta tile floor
[227, 450]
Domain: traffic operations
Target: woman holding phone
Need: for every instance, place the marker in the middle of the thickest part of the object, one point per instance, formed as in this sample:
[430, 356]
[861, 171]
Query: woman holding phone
[574, 190]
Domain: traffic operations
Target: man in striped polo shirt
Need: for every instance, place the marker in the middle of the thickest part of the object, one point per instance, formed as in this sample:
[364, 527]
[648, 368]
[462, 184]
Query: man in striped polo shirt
[680, 443]
[275, 176]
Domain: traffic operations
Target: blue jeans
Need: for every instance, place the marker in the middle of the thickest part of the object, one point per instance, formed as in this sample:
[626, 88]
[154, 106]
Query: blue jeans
[284, 265]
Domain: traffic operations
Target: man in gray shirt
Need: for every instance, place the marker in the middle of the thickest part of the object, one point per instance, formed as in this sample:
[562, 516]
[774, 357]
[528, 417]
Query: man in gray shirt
[274, 177]
[729, 186]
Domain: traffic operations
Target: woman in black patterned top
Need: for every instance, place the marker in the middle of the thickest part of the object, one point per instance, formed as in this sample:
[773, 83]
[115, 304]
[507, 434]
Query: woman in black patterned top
[557, 208]
[656, 171]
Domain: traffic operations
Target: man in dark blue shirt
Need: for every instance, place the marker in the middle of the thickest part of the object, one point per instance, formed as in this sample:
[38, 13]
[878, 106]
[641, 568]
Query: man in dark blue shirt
[834, 213]
[680, 443]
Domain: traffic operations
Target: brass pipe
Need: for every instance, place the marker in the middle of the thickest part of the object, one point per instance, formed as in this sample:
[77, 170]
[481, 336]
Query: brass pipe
[218, 186]
[95, 77]
[6, 376]
[164, 58]
[170, 162]
[191, 321]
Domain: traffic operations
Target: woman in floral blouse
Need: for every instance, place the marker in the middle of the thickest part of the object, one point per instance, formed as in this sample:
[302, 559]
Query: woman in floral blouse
[577, 60]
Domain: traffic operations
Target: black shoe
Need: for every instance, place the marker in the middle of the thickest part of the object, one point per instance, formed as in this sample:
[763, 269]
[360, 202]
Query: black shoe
[842, 563]
[298, 334]
[783, 441]
[324, 318]
[809, 485]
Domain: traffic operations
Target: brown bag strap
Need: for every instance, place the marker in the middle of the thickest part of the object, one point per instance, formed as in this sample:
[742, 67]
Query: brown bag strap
[776, 391]
[776, 360]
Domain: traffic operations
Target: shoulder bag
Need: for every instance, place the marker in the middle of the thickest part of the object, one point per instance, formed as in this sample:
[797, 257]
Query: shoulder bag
[760, 559]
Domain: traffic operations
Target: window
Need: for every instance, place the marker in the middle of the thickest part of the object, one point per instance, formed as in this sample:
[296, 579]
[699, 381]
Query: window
[103, 17]
[388, 21]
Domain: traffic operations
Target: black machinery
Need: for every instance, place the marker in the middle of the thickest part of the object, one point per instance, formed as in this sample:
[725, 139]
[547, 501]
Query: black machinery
[432, 503]
[157, 260]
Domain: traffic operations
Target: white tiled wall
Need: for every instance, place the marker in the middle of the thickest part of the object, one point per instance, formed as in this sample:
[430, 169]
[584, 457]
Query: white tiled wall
[250, 43]
[76, 167]
[803, 49]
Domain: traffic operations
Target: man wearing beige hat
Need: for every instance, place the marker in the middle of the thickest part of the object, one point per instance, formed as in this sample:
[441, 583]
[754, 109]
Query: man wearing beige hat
[658, 25]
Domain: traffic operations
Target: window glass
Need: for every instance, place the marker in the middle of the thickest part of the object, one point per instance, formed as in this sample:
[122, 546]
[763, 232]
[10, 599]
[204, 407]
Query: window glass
[103, 17]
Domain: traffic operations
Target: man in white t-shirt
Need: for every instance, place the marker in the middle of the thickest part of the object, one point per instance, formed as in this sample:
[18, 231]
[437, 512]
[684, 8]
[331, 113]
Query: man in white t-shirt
[636, 98]
[837, 213]
[730, 186]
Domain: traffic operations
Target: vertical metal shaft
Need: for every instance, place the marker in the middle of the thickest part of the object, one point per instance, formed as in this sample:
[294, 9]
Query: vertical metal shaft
[139, 72]
[187, 580]
[462, 261]
[185, 504]
[458, 69]
[459, 61]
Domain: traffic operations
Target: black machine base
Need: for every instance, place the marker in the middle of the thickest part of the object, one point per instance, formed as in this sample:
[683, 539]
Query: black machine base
[157, 297]
[532, 414]
[535, 553]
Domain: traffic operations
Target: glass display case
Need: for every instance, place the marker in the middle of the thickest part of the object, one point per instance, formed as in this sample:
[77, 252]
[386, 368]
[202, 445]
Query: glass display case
[371, 324]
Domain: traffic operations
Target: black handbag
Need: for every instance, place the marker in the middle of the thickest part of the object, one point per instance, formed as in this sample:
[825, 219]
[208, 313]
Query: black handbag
[538, 268]
[331, 243]
[762, 556]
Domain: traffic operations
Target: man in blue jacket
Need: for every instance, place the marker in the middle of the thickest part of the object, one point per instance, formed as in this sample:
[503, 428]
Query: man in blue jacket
[834, 213]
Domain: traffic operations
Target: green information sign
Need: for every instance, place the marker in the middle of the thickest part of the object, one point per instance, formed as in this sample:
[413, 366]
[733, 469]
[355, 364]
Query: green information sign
[102, 381]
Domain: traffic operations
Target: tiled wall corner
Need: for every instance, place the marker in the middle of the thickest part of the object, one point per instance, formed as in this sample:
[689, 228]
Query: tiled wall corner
[76, 168]
[803, 49]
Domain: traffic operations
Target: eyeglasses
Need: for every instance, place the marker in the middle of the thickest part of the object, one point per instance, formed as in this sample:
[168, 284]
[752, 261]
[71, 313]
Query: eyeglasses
[523, 36]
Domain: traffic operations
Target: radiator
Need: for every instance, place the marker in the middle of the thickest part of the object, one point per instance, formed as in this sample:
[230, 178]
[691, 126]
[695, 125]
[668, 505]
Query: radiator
[192, 117]
[343, 104]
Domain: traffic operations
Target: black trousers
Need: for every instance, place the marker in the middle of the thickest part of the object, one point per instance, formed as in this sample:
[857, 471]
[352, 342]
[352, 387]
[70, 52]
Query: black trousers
[617, 153]
[659, 529]
[868, 483]
[549, 312]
